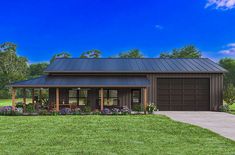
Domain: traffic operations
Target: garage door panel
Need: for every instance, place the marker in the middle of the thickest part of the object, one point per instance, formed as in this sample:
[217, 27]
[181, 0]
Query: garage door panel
[202, 81]
[163, 102]
[176, 97]
[183, 94]
[164, 91]
[188, 108]
[164, 107]
[189, 97]
[176, 108]
[204, 91]
[176, 84]
[164, 97]
[202, 87]
[189, 91]
[201, 108]
[202, 97]
[176, 91]
[201, 103]
[185, 87]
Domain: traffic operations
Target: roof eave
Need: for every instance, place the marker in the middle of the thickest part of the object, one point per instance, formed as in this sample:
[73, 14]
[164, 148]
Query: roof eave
[79, 86]
[130, 72]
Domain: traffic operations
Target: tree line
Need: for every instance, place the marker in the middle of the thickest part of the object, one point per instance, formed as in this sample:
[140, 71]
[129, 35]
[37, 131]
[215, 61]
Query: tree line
[15, 68]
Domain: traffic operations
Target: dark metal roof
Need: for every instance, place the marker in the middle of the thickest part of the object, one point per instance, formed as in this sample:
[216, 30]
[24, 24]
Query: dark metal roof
[141, 65]
[84, 81]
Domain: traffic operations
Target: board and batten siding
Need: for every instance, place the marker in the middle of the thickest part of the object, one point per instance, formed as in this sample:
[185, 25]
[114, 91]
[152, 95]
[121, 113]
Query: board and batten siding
[216, 87]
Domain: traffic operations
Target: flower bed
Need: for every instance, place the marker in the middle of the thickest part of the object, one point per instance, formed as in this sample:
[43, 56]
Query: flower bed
[30, 111]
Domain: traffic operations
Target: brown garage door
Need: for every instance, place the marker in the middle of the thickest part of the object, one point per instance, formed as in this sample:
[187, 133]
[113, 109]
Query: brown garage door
[183, 94]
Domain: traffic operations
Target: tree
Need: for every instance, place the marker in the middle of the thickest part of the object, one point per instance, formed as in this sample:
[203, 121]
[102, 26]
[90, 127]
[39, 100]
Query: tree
[229, 64]
[91, 54]
[134, 53]
[12, 67]
[36, 70]
[189, 51]
[60, 55]
[229, 94]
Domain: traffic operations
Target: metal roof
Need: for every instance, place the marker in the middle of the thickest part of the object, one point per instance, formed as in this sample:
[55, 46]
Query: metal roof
[84, 81]
[134, 65]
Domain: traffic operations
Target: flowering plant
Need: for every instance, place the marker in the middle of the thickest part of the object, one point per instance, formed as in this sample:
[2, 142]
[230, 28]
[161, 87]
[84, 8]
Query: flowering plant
[151, 108]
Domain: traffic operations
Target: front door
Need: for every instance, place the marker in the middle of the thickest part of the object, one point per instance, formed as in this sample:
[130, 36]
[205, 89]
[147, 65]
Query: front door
[136, 99]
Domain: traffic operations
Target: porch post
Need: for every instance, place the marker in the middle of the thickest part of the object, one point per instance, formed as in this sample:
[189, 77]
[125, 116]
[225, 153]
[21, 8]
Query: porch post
[101, 99]
[24, 99]
[13, 92]
[40, 95]
[57, 99]
[33, 96]
[145, 100]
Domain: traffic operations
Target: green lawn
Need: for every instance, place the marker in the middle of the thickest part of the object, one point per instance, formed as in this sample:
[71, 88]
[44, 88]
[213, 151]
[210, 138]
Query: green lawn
[232, 108]
[150, 134]
[6, 102]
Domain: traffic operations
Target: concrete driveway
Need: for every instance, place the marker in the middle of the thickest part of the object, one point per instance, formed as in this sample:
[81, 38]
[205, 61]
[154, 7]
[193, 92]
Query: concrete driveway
[219, 122]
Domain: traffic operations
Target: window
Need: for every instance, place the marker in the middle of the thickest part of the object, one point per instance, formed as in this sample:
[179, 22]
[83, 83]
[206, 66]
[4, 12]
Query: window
[82, 97]
[136, 96]
[73, 96]
[78, 96]
[110, 97]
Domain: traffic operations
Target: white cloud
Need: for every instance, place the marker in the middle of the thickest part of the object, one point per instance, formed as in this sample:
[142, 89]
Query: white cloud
[221, 4]
[159, 27]
[231, 45]
[230, 49]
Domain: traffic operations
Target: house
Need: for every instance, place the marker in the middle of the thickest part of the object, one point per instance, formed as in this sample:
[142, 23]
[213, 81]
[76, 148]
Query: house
[171, 84]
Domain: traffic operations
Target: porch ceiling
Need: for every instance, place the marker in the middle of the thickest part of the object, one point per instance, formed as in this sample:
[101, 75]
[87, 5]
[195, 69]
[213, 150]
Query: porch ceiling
[83, 81]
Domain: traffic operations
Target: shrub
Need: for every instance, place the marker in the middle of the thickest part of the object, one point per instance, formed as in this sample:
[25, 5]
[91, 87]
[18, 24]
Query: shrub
[76, 113]
[115, 111]
[8, 111]
[224, 108]
[65, 111]
[19, 105]
[43, 112]
[151, 108]
[96, 112]
[136, 107]
[19, 110]
[54, 113]
[229, 94]
[86, 109]
[125, 110]
[106, 111]
[30, 108]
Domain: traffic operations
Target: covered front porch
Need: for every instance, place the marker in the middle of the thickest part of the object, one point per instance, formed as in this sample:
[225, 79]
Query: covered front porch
[89, 94]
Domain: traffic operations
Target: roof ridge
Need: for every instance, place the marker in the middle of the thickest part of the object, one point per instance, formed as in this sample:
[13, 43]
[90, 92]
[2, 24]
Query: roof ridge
[131, 58]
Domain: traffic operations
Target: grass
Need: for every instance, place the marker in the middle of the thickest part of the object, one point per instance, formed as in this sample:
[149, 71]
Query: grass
[232, 108]
[7, 102]
[135, 134]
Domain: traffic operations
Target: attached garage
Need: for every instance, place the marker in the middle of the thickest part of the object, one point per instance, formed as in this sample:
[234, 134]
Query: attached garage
[183, 94]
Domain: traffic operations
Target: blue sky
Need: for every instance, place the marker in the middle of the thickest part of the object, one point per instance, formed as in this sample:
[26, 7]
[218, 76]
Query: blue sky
[43, 28]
